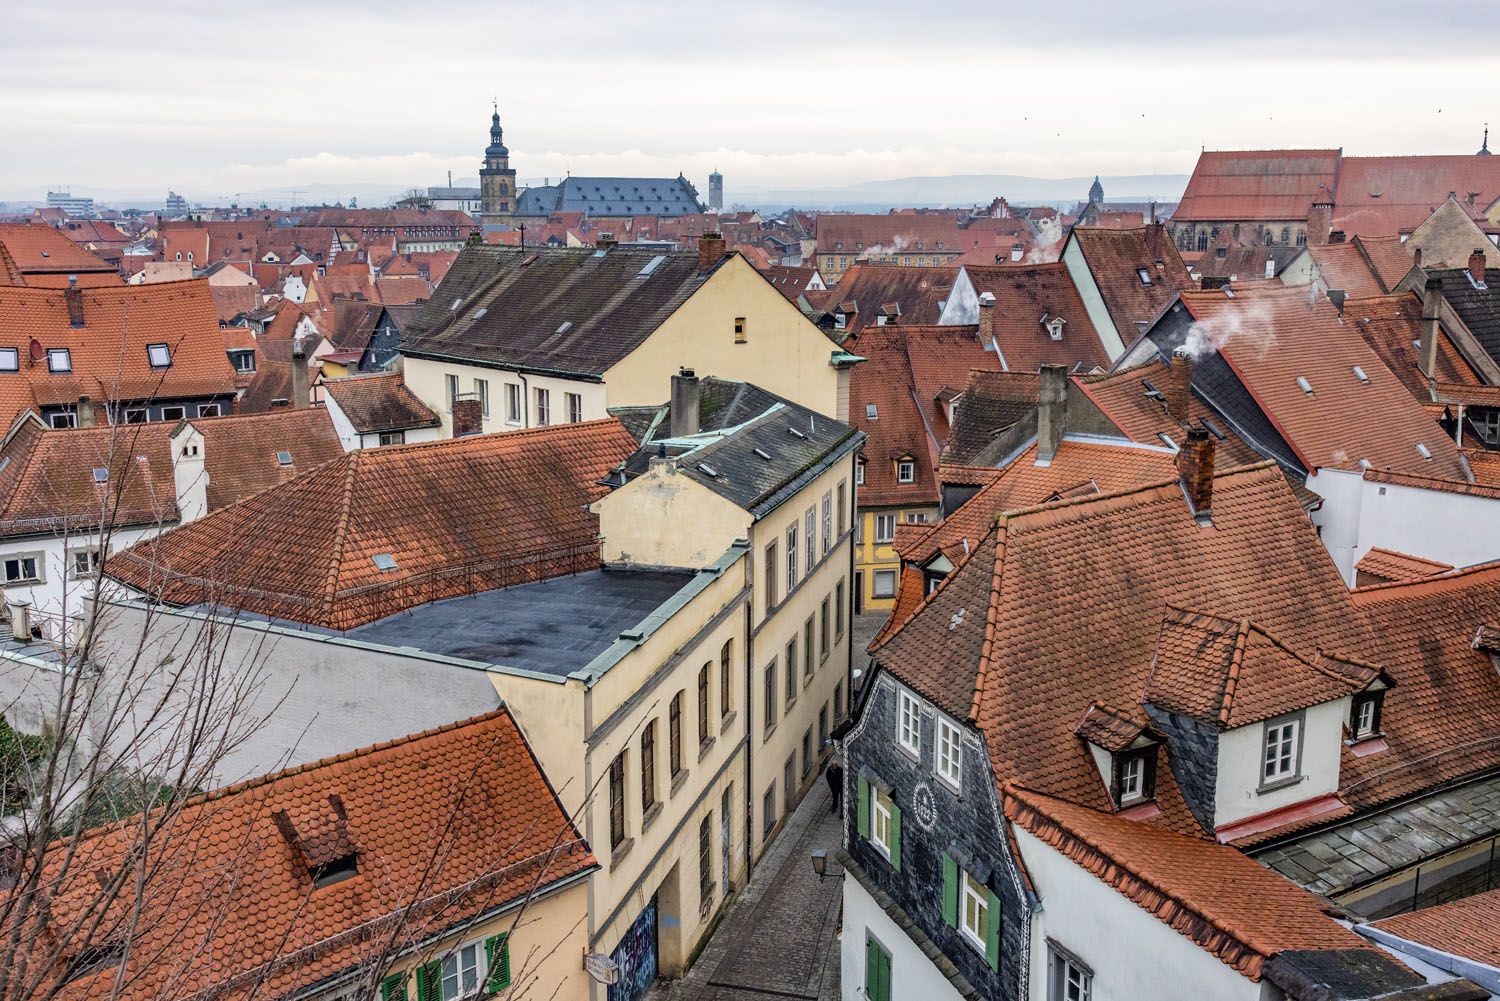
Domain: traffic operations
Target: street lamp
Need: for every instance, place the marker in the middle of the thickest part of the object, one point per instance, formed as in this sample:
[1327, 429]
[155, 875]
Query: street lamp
[820, 862]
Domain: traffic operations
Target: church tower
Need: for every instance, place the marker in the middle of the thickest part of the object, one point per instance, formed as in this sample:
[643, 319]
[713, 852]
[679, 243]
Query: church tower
[497, 181]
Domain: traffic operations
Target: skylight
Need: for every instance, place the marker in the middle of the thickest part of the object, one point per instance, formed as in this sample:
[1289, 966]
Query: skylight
[384, 561]
[1145, 276]
[567, 325]
[1364, 463]
[653, 264]
[1304, 385]
[708, 470]
[285, 458]
[795, 433]
[1214, 429]
[763, 454]
[872, 412]
[1424, 451]
[1359, 374]
[101, 474]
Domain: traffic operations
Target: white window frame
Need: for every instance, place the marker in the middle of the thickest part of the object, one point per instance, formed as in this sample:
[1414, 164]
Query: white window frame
[482, 390]
[178, 413]
[140, 415]
[859, 473]
[208, 410]
[66, 356]
[889, 579]
[975, 894]
[791, 557]
[949, 759]
[810, 536]
[574, 406]
[396, 438]
[908, 722]
[92, 558]
[906, 471]
[1067, 978]
[543, 407]
[239, 359]
[827, 521]
[38, 562]
[1281, 751]
[63, 419]
[1132, 779]
[456, 958]
[513, 403]
[885, 528]
[10, 359]
[450, 382]
[880, 822]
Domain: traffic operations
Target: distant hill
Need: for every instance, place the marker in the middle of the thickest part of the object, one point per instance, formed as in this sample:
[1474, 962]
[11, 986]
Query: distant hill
[960, 190]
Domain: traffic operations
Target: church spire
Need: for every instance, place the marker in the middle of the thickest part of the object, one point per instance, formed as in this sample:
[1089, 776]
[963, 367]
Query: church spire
[1484, 150]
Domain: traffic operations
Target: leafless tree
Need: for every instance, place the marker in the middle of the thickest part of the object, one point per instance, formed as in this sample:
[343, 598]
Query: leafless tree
[413, 198]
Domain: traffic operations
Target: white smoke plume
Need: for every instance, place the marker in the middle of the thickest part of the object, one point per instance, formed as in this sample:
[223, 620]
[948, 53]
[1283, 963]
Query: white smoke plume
[1245, 321]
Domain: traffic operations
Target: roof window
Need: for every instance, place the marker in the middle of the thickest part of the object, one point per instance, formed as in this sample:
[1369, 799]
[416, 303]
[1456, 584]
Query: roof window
[1304, 385]
[708, 470]
[763, 454]
[1145, 275]
[160, 355]
[10, 360]
[1167, 440]
[1359, 374]
[101, 474]
[872, 412]
[1214, 429]
[59, 360]
[383, 561]
[653, 264]
[284, 457]
[566, 326]
[795, 433]
[1424, 451]
[1364, 463]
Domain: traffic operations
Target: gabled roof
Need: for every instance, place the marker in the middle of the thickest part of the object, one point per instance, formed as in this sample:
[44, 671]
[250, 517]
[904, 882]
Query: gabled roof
[1388, 565]
[1230, 674]
[1478, 308]
[1392, 326]
[611, 196]
[379, 402]
[1273, 336]
[1387, 195]
[1263, 185]
[1026, 296]
[456, 517]
[43, 250]
[242, 453]
[1224, 902]
[991, 403]
[1467, 927]
[573, 311]
[1344, 266]
[451, 823]
[1115, 258]
[864, 288]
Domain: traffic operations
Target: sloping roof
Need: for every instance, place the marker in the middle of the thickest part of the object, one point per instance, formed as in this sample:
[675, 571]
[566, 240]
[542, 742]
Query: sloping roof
[456, 516]
[864, 288]
[1387, 195]
[1273, 336]
[241, 453]
[1115, 258]
[109, 352]
[379, 402]
[898, 233]
[1389, 565]
[38, 250]
[1478, 307]
[1392, 326]
[552, 309]
[1215, 896]
[1389, 258]
[988, 645]
[1344, 266]
[1468, 927]
[1026, 295]
[1263, 185]
[611, 196]
[1231, 674]
[451, 823]
[992, 403]
[232, 300]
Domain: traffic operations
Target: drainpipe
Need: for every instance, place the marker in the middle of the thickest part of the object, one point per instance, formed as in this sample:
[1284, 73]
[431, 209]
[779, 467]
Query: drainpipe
[525, 400]
[749, 705]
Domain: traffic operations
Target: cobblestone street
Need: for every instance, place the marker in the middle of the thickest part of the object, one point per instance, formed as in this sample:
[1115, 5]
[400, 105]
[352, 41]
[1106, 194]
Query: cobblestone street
[780, 938]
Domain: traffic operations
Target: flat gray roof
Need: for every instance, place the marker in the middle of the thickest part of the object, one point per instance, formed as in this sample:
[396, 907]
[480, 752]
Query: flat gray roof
[555, 626]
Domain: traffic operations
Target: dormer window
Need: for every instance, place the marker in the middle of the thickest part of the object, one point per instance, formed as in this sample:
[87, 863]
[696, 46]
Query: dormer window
[1281, 758]
[839, 321]
[1135, 776]
[906, 471]
[1364, 715]
[1054, 325]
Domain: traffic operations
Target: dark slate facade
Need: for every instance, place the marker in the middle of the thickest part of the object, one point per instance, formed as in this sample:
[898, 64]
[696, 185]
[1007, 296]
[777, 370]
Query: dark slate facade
[1193, 754]
[968, 826]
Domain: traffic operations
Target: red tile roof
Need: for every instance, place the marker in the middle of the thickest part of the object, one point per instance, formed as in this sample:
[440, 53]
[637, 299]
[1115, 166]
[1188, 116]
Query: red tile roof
[1026, 295]
[38, 250]
[1115, 258]
[1388, 195]
[1257, 185]
[379, 402]
[1388, 256]
[1468, 927]
[864, 288]
[450, 823]
[1391, 325]
[1226, 903]
[992, 403]
[232, 300]
[1388, 565]
[1344, 266]
[241, 452]
[1272, 336]
[456, 516]
[109, 357]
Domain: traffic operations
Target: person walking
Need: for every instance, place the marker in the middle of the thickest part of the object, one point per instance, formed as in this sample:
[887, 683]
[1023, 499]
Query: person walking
[835, 776]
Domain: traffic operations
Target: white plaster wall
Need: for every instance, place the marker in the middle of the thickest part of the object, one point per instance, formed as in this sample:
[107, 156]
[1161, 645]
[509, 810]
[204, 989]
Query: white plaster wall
[1236, 794]
[963, 302]
[1422, 523]
[1132, 953]
[426, 378]
[53, 597]
[1093, 303]
[912, 973]
[348, 437]
[1337, 519]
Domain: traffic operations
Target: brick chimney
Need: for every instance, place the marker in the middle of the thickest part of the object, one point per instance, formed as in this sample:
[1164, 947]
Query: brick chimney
[299, 375]
[1432, 314]
[605, 241]
[1180, 386]
[1476, 267]
[73, 296]
[1195, 471]
[710, 250]
[683, 410]
[468, 416]
[986, 320]
[1320, 218]
[1052, 412]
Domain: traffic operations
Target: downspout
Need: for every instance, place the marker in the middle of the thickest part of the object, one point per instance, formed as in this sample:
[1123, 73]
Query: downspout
[525, 400]
[749, 704]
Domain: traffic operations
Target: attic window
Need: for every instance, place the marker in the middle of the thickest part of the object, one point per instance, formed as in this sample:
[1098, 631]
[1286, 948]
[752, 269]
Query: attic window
[1145, 275]
[567, 325]
[872, 412]
[906, 471]
[160, 355]
[1135, 776]
[101, 474]
[383, 561]
[335, 870]
[1424, 451]
[1304, 385]
[1359, 374]
[284, 458]
[1055, 328]
[10, 360]
[59, 360]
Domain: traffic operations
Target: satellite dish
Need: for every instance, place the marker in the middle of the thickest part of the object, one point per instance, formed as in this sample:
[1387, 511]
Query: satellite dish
[37, 354]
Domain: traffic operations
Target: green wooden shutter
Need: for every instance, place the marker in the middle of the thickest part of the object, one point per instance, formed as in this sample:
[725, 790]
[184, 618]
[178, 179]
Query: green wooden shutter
[497, 961]
[877, 972]
[895, 836]
[393, 987]
[950, 890]
[992, 932]
[883, 964]
[862, 819]
[430, 982]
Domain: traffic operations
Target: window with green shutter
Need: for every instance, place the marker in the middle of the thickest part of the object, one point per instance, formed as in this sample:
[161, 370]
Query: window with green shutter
[877, 971]
[430, 982]
[950, 890]
[992, 933]
[862, 820]
[497, 962]
[393, 987]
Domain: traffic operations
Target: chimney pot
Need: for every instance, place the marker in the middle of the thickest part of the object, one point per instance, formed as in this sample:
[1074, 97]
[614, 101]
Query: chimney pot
[683, 408]
[1180, 386]
[1052, 407]
[73, 296]
[1195, 470]
[1476, 265]
[710, 250]
[20, 620]
[84, 413]
[468, 417]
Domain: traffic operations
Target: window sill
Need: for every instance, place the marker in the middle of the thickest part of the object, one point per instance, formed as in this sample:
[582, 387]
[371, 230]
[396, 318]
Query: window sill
[618, 853]
[726, 721]
[677, 781]
[704, 746]
[956, 788]
[808, 679]
[1283, 783]
[649, 817]
[914, 754]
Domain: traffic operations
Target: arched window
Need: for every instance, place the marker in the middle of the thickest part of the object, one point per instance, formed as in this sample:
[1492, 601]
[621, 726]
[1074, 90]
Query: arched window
[1301, 237]
[1286, 235]
[1202, 241]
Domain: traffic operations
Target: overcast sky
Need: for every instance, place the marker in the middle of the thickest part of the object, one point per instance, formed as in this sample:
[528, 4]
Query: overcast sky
[124, 99]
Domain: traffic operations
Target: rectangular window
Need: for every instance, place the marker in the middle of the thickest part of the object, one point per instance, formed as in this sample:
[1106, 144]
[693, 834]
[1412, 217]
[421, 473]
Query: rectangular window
[173, 413]
[10, 360]
[810, 536]
[885, 583]
[482, 390]
[975, 913]
[823, 725]
[208, 410]
[726, 678]
[135, 415]
[59, 360]
[823, 643]
[807, 753]
[906, 471]
[703, 704]
[791, 558]
[1132, 788]
[574, 402]
[543, 407]
[859, 474]
[461, 973]
[885, 527]
[771, 580]
[740, 334]
[838, 701]
[880, 821]
[1364, 715]
[159, 355]
[1069, 979]
[85, 562]
[838, 609]
[451, 382]
[807, 648]
[617, 800]
[23, 569]
[789, 783]
[950, 753]
[827, 522]
[1282, 747]
[60, 421]
[770, 695]
[877, 972]
[705, 862]
[908, 721]
[393, 437]
[674, 735]
[843, 508]
[648, 767]
[768, 809]
[791, 671]
[512, 403]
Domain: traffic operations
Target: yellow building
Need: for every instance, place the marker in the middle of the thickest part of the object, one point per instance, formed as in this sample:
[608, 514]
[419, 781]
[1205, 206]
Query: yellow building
[551, 336]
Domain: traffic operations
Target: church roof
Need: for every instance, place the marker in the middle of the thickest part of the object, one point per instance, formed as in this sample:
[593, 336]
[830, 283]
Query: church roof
[612, 196]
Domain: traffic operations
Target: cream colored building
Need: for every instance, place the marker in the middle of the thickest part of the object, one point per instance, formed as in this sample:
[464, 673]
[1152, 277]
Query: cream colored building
[578, 331]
